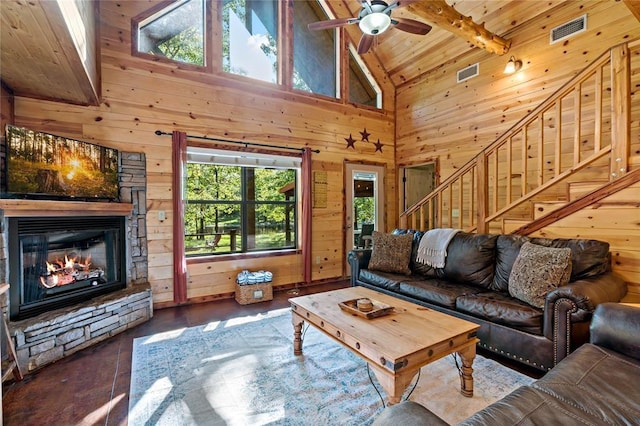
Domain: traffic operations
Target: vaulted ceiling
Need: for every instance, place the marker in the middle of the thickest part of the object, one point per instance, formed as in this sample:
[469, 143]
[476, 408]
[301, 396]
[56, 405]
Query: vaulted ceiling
[38, 59]
[406, 56]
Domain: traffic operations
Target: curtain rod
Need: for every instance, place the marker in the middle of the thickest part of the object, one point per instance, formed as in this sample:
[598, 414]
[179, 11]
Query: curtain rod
[246, 144]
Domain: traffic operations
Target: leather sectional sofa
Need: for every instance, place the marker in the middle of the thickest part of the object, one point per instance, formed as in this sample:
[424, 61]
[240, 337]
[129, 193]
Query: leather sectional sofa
[595, 385]
[473, 285]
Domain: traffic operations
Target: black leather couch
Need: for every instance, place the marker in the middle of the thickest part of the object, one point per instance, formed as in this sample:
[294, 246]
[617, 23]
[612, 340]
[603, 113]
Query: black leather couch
[595, 385]
[474, 285]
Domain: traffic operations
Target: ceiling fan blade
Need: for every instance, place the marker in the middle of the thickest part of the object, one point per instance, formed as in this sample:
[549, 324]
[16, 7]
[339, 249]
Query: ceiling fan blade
[411, 26]
[365, 43]
[331, 23]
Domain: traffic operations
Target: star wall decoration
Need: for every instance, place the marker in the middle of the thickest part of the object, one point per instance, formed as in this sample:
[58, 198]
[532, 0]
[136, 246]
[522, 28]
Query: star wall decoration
[350, 142]
[365, 135]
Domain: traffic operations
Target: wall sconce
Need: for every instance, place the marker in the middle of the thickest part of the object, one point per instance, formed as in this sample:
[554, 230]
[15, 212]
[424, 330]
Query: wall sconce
[513, 65]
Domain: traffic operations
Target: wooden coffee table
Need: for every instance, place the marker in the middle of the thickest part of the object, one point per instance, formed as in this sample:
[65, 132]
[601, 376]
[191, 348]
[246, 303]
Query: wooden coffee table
[396, 345]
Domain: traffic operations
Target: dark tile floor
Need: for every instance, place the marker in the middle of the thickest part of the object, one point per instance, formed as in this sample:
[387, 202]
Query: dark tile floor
[91, 387]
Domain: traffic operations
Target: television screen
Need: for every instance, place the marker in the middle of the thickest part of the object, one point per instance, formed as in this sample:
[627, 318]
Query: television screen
[49, 166]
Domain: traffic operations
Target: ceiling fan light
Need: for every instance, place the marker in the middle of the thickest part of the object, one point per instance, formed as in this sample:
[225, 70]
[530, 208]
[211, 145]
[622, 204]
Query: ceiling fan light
[375, 23]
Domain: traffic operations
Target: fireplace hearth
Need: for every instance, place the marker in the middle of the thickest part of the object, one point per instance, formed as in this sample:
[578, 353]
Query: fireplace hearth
[58, 262]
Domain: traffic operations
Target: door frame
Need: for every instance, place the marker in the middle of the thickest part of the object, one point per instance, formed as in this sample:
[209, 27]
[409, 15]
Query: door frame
[347, 220]
[401, 184]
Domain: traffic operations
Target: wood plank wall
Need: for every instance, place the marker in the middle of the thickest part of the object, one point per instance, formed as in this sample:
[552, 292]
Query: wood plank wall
[141, 96]
[440, 119]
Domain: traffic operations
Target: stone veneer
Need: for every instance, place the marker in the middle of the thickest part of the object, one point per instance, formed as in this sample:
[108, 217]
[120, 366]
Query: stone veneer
[53, 335]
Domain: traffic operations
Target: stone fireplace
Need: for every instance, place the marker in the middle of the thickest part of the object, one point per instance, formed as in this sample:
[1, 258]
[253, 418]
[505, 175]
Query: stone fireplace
[77, 270]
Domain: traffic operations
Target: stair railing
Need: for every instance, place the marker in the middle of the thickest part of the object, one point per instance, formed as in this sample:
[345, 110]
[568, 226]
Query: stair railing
[584, 125]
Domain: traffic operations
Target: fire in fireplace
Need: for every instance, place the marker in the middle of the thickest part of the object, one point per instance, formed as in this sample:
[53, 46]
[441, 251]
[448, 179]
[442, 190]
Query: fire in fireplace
[57, 262]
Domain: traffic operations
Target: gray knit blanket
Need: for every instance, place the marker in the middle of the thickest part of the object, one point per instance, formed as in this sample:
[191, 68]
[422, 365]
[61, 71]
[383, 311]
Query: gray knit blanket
[432, 250]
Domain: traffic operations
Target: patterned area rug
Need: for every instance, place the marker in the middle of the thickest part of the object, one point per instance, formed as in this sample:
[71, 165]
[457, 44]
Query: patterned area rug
[243, 372]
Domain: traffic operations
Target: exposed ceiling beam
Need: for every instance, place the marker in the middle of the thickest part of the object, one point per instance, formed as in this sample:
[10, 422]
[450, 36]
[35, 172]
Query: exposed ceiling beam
[446, 17]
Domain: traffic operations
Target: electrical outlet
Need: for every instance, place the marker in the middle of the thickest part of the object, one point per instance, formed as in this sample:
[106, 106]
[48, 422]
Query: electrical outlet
[455, 213]
[317, 260]
[162, 215]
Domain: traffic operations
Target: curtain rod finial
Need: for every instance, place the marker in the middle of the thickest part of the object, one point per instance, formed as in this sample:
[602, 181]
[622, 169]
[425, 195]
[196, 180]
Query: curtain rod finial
[158, 132]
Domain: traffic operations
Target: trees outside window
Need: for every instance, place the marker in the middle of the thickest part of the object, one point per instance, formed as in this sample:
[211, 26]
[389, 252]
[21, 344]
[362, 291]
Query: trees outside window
[236, 209]
[251, 41]
[177, 33]
[249, 38]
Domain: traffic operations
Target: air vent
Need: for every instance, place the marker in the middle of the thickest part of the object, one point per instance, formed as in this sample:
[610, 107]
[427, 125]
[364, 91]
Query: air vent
[563, 31]
[468, 72]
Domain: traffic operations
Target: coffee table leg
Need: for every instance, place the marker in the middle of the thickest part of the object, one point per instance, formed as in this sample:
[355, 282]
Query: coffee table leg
[297, 334]
[394, 385]
[467, 354]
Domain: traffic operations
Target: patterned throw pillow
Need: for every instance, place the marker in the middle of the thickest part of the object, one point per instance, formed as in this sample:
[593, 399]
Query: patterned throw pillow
[391, 253]
[537, 270]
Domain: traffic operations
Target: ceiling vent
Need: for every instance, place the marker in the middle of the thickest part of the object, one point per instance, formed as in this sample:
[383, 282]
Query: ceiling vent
[468, 72]
[578, 25]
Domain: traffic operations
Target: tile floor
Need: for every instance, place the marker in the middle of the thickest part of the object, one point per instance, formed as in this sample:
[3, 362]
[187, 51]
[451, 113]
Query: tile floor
[91, 387]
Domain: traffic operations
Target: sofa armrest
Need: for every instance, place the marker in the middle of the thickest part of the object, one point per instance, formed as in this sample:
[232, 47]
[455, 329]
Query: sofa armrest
[617, 327]
[358, 259]
[574, 303]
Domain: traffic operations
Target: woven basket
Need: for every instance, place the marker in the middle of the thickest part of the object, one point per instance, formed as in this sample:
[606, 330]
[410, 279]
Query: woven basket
[254, 293]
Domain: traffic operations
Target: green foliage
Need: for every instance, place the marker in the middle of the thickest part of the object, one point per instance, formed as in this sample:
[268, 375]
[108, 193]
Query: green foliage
[365, 208]
[186, 46]
[215, 200]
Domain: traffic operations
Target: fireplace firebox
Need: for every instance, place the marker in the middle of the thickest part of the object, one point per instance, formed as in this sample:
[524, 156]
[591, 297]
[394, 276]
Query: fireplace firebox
[56, 262]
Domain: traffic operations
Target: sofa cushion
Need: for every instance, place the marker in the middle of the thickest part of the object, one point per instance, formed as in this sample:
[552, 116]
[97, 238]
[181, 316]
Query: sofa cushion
[470, 259]
[538, 270]
[391, 252]
[436, 291]
[385, 280]
[500, 308]
[507, 250]
[415, 266]
[589, 257]
[604, 392]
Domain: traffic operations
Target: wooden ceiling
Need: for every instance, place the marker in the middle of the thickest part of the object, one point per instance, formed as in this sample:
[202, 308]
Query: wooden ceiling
[39, 60]
[406, 56]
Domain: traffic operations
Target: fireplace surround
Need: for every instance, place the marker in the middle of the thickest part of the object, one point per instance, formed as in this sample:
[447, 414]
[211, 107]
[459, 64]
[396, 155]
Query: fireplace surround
[94, 317]
[59, 262]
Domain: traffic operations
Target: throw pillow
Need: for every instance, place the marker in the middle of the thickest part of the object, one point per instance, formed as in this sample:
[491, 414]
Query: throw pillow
[391, 253]
[537, 270]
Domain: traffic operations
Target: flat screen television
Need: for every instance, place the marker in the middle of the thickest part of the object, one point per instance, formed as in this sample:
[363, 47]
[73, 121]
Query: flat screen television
[45, 166]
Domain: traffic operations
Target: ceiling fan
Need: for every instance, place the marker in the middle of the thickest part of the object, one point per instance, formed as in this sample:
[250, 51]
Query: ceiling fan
[374, 19]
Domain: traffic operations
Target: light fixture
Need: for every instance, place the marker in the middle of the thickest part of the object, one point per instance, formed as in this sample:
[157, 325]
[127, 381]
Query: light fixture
[375, 23]
[375, 17]
[513, 65]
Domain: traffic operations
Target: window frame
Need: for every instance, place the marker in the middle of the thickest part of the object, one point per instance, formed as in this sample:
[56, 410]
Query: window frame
[213, 53]
[244, 202]
[139, 20]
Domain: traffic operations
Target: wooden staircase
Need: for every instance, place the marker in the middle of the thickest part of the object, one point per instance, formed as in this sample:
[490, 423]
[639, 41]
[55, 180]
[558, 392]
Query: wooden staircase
[573, 145]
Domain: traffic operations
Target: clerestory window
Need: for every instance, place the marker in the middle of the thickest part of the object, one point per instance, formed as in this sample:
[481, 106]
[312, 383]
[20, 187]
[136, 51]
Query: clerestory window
[315, 64]
[250, 40]
[176, 32]
[362, 86]
[240, 202]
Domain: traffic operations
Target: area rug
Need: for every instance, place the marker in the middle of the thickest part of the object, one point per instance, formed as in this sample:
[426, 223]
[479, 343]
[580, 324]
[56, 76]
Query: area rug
[243, 372]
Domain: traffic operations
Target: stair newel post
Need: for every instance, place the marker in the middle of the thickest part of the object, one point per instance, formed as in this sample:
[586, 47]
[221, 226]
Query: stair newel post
[482, 191]
[620, 110]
